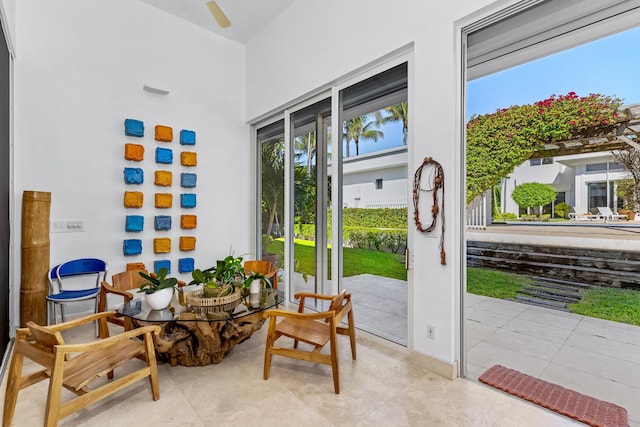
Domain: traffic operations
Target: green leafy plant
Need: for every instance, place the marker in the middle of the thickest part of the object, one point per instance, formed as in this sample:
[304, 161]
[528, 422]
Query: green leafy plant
[562, 210]
[498, 142]
[533, 194]
[223, 278]
[157, 281]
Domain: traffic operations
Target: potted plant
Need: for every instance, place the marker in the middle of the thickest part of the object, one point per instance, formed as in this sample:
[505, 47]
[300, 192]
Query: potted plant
[158, 288]
[223, 278]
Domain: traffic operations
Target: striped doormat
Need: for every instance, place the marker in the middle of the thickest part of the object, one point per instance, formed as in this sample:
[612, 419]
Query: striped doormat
[586, 409]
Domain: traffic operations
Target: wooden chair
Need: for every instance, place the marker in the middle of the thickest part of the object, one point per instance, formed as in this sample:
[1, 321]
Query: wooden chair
[121, 284]
[263, 267]
[315, 329]
[75, 366]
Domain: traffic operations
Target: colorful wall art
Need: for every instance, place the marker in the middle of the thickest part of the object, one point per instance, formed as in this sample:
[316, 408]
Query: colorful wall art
[163, 169]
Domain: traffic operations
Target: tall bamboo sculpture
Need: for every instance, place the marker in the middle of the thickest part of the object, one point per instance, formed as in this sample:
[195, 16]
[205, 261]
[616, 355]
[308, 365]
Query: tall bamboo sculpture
[34, 287]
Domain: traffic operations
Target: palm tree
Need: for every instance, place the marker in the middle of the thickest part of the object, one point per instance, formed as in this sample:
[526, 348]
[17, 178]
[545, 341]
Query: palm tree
[305, 145]
[272, 184]
[396, 113]
[357, 128]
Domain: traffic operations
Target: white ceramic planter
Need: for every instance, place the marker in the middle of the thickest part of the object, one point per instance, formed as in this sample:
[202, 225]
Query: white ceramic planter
[159, 300]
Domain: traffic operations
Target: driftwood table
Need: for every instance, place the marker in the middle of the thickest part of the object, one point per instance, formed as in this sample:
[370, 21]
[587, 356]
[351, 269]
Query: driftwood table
[197, 336]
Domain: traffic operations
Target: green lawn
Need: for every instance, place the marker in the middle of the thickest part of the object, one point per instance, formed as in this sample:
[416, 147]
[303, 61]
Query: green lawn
[619, 305]
[495, 284]
[356, 261]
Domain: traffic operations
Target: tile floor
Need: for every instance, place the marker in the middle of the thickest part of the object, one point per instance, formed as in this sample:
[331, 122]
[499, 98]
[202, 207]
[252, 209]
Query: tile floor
[381, 388]
[592, 356]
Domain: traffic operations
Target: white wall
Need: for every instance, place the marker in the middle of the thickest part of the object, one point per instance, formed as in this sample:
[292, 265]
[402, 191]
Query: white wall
[335, 40]
[78, 75]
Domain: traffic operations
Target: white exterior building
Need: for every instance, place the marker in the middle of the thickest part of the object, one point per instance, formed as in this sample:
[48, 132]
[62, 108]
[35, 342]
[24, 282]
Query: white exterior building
[376, 180]
[580, 180]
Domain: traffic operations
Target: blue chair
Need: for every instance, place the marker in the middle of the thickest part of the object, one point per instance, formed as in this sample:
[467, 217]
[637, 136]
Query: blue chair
[69, 282]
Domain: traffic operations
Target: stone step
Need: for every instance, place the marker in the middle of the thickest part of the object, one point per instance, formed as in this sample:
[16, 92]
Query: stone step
[554, 291]
[540, 295]
[560, 282]
[540, 303]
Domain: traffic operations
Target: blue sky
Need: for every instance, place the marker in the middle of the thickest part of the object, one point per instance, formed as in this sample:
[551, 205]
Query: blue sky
[609, 66]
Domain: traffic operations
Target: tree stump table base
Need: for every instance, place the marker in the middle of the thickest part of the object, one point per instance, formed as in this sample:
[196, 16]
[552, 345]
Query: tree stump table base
[200, 343]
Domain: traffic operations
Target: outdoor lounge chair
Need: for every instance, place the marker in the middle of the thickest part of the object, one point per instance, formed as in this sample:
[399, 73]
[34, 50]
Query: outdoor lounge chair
[609, 215]
[580, 214]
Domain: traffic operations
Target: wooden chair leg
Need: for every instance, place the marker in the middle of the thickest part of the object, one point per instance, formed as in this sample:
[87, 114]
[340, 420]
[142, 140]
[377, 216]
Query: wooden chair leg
[13, 387]
[333, 342]
[54, 397]
[268, 346]
[352, 334]
[153, 366]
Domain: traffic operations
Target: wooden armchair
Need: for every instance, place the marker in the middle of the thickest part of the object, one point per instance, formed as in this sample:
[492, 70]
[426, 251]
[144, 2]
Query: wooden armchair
[75, 366]
[315, 329]
[121, 284]
[263, 267]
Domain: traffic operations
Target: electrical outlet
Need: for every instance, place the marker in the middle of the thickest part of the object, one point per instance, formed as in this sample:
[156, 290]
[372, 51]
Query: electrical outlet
[431, 332]
[67, 226]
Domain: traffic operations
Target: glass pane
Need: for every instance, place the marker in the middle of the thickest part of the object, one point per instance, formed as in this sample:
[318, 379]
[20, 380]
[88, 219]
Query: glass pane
[309, 198]
[271, 146]
[374, 187]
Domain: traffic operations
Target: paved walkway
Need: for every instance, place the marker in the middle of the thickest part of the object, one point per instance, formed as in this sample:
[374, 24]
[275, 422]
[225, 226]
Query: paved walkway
[595, 357]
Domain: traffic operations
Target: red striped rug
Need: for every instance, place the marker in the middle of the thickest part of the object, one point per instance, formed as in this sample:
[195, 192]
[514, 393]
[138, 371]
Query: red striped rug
[586, 409]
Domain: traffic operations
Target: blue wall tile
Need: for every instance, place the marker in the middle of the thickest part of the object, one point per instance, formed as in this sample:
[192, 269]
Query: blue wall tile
[185, 265]
[188, 200]
[157, 265]
[162, 222]
[133, 127]
[132, 247]
[164, 155]
[134, 223]
[188, 180]
[133, 176]
[187, 137]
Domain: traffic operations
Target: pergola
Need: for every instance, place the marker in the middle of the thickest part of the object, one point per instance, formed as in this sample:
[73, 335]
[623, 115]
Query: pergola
[626, 133]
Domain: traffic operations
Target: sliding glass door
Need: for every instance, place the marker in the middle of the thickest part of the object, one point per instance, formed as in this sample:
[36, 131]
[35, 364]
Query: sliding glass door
[334, 190]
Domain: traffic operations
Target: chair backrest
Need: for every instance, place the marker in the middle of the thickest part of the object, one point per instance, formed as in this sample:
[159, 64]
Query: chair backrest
[339, 305]
[257, 266]
[81, 267]
[580, 211]
[128, 280]
[606, 211]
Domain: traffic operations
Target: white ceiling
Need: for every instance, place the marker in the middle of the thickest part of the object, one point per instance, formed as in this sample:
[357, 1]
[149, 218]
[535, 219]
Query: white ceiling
[247, 17]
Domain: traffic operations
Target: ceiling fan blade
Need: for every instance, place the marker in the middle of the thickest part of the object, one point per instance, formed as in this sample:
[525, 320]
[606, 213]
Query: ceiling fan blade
[218, 14]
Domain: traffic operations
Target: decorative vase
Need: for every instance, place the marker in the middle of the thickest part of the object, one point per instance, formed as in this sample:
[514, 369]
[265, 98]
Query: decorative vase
[160, 299]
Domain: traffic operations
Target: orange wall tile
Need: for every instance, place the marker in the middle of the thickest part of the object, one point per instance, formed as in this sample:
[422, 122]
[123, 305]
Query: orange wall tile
[188, 158]
[163, 178]
[187, 243]
[133, 199]
[188, 221]
[164, 200]
[134, 152]
[162, 245]
[164, 133]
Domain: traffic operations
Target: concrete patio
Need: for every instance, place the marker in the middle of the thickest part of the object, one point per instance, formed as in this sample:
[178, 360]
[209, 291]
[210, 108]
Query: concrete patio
[596, 357]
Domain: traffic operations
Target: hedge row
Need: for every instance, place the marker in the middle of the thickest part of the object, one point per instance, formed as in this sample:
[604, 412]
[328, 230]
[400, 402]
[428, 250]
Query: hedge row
[393, 239]
[374, 218]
